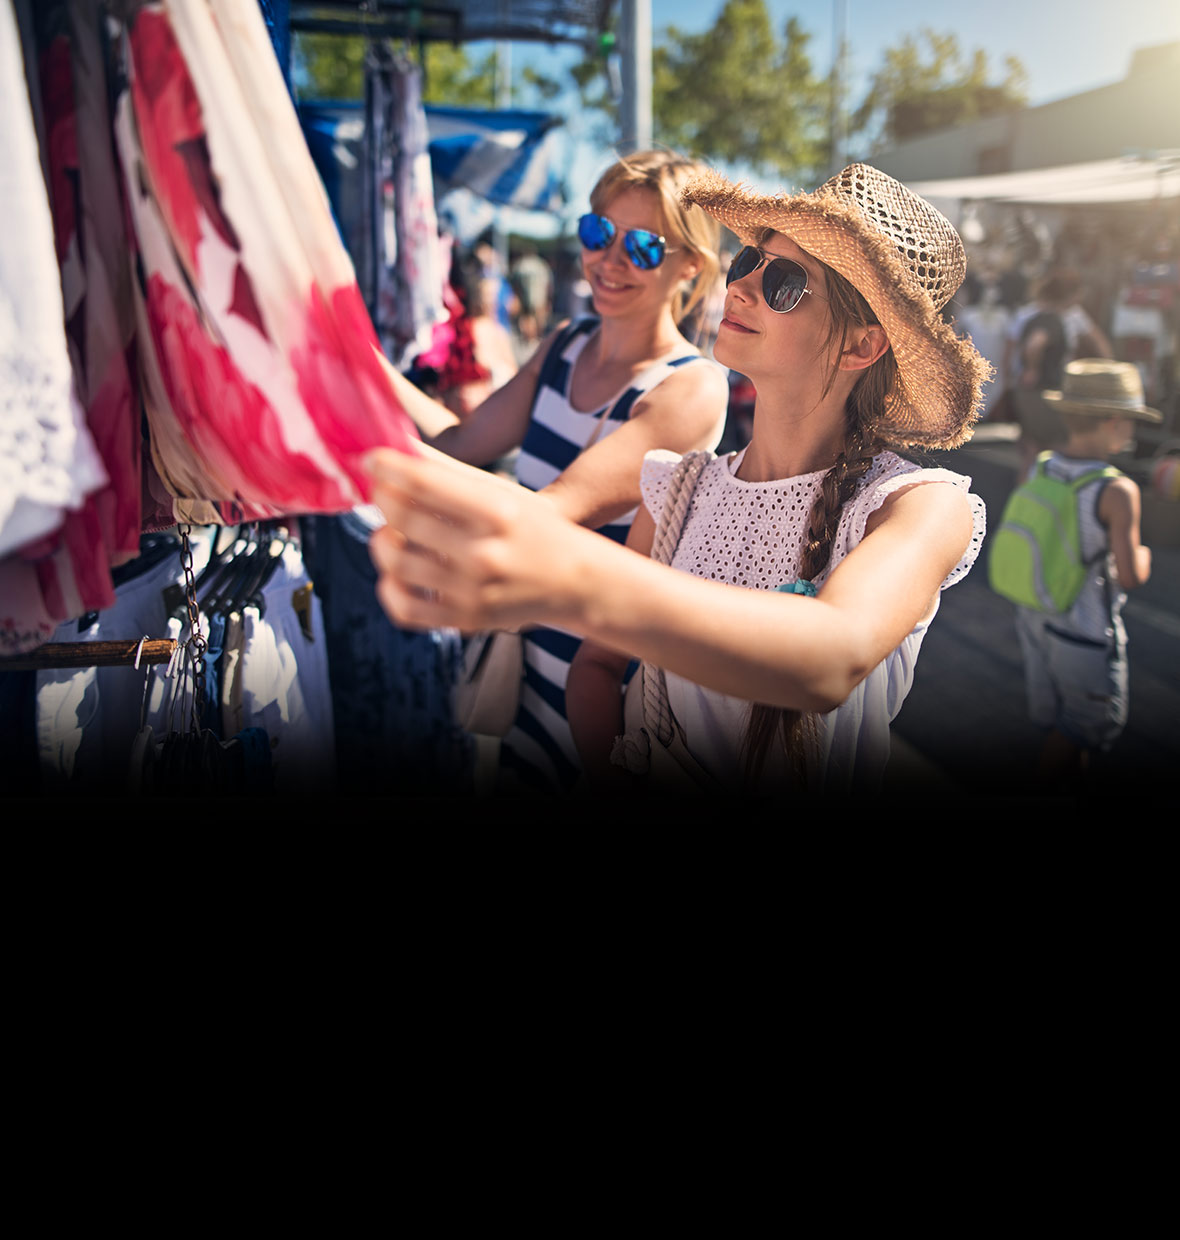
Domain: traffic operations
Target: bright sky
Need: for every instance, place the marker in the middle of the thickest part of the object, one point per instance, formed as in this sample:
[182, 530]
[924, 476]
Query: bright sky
[1066, 46]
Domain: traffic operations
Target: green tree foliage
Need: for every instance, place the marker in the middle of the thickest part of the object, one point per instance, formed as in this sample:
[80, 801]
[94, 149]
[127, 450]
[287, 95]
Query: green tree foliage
[925, 84]
[596, 77]
[733, 94]
[331, 66]
[737, 94]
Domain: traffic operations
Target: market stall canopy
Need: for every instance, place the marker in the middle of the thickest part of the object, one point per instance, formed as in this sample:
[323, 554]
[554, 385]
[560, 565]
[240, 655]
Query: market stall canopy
[1128, 180]
[459, 21]
[500, 155]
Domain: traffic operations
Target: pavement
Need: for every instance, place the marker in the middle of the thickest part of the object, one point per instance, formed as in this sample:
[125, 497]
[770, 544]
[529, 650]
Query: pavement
[964, 727]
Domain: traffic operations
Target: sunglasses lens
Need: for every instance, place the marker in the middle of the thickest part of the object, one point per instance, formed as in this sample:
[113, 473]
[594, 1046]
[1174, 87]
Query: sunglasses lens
[595, 232]
[744, 261]
[645, 248]
[783, 285]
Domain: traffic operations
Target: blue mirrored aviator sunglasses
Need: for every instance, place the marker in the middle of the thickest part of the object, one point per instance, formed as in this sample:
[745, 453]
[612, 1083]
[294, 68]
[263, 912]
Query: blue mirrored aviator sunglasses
[783, 282]
[645, 249]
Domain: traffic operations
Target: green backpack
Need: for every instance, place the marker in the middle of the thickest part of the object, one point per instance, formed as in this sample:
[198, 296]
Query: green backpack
[1035, 557]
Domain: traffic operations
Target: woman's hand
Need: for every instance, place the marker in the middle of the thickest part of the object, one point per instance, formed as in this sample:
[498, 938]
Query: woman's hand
[465, 549]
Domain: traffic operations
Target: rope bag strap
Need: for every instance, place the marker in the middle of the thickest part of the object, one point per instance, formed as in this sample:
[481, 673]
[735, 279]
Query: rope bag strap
[657, 714]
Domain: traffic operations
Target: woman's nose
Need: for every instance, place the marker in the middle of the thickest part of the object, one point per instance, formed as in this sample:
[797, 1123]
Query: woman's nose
[614, 248]
[743, 288]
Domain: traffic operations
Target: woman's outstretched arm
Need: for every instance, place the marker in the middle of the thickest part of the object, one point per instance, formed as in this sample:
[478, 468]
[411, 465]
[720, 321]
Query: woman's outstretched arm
[467, 550]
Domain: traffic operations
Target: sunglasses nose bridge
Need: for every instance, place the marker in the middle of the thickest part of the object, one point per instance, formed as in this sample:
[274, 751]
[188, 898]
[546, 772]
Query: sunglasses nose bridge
[757, 267]
[745, 275]
[615, 244]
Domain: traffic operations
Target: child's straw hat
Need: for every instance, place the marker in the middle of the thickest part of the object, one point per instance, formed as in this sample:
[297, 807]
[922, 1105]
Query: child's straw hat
[1103, 389]
[905, 259]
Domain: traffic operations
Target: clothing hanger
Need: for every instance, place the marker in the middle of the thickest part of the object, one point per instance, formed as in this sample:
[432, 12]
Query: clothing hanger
[233, 571]
[269, 557]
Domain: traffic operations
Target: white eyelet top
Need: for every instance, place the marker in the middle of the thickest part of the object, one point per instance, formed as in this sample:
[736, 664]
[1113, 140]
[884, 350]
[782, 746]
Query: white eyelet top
[751, 534]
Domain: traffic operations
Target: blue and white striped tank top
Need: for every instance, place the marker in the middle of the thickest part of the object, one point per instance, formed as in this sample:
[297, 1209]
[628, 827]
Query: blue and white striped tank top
[538, 753]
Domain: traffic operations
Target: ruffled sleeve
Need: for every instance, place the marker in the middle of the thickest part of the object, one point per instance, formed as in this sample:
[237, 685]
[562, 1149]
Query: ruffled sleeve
[880, 484]
[656, 473]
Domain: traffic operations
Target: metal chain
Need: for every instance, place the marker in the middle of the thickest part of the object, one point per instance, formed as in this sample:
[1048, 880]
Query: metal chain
[196, 644]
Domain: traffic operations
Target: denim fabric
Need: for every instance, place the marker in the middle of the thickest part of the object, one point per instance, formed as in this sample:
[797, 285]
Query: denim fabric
[391, 687]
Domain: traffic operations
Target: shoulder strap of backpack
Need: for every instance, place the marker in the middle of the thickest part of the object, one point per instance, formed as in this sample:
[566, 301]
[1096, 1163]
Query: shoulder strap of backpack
[1092, 475]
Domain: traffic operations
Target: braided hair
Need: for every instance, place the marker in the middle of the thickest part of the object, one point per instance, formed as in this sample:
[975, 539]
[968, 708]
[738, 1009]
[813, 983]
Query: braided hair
[799, 731]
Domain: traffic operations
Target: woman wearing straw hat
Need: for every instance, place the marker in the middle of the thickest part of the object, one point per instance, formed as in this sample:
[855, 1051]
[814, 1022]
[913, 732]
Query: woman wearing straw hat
[839, 546]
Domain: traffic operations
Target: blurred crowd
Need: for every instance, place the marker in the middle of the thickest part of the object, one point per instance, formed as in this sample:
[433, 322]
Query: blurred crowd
[1033, 302]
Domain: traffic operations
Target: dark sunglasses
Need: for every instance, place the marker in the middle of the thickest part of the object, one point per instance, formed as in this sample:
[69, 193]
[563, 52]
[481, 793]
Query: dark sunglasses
[645, 249]
[783, 282]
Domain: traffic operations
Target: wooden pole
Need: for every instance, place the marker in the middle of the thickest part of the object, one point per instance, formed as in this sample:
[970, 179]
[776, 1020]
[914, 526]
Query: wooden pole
[92, 654]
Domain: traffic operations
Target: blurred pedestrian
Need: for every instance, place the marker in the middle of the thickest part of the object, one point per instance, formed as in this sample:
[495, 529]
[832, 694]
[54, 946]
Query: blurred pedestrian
[480, 359]
[532, 280]
[1071, 632]
[503, 304]
[985, 320]
[1051, 330]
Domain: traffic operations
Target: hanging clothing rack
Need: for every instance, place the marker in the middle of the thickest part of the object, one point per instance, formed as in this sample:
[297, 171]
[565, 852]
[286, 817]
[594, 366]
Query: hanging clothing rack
[456, 21]
[134, 653]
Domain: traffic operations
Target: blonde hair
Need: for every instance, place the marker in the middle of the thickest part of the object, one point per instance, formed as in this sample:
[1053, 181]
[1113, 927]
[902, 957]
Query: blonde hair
[687, 227]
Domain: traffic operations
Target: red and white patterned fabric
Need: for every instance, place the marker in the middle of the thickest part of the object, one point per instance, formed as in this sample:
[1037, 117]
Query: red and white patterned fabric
[204, 292]
[264, 381]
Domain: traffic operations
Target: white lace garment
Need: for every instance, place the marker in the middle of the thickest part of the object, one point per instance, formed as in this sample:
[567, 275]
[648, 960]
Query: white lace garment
[751, 534]
[48, 461]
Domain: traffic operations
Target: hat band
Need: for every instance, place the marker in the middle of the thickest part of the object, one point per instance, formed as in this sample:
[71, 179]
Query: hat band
[1104, 402]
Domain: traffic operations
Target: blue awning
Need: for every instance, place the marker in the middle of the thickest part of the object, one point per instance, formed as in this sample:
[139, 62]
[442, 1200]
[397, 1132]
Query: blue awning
[503, 156]
[500, 155]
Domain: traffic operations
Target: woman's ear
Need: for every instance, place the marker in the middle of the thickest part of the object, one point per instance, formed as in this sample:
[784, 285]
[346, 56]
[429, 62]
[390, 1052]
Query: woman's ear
[690, 266]
[864, 346]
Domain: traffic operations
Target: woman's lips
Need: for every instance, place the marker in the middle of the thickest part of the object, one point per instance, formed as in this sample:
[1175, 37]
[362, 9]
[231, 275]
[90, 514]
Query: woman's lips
[735, 325]
[611, 286]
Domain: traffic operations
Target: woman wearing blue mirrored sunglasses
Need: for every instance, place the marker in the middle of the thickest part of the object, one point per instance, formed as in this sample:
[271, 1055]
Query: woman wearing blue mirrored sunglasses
[644, 248]
[601, 391]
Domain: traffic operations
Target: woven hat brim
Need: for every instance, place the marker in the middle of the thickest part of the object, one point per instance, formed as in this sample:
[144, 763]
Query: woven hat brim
[1103, 408]
[939, 392]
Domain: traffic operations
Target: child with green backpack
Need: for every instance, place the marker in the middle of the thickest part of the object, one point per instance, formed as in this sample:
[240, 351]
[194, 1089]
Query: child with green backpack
[1066, 551]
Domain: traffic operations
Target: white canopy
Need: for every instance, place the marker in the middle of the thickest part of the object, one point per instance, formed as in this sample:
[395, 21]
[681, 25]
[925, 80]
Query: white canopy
[1103, 181]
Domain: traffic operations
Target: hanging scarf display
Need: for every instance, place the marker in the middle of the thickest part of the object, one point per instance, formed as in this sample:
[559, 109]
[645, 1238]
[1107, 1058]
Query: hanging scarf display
[56, 551]
[264, 383]
[409, 259]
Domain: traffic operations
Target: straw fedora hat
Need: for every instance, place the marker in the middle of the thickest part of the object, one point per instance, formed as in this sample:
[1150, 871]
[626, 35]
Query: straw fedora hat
[905, 259]
[1104, 389]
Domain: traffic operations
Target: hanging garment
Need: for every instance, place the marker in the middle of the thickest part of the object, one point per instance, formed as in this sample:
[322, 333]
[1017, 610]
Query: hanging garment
[91, 222]
[391, 687]
[283, 678]
[86, 719]
[263, 381]
[49, 464]
[410, 274]
[96, 728]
